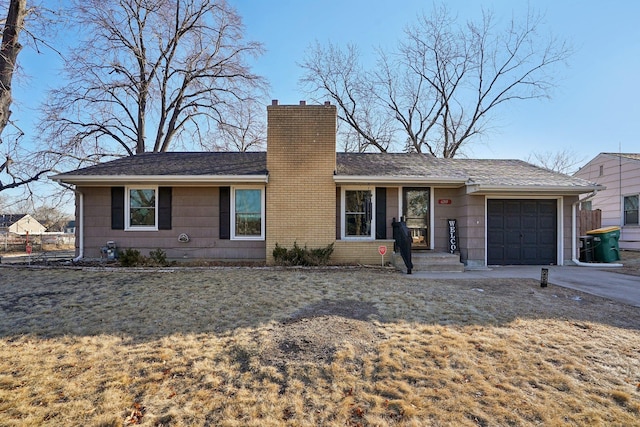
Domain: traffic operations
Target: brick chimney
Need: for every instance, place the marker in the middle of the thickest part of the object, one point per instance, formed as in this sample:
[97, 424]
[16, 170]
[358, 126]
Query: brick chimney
[301, 160]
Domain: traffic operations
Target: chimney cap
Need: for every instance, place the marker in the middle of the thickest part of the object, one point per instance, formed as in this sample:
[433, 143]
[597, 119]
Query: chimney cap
[274, 102]
[303, 102]
[327, 102]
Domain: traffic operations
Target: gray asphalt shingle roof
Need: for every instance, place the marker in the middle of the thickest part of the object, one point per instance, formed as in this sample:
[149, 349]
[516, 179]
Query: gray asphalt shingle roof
[179, 164]
[486, 172]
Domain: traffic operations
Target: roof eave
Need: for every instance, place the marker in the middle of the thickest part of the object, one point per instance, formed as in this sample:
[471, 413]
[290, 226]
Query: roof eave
[160, 179]
[480, 189]
[382, 179]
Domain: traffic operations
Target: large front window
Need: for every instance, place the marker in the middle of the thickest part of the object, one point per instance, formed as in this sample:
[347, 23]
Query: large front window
[248, 213]
[142, 208]
[631, 210]
[358, 218]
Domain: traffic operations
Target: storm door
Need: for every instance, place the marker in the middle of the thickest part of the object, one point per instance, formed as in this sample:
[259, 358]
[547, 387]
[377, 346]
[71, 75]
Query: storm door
[416, 214]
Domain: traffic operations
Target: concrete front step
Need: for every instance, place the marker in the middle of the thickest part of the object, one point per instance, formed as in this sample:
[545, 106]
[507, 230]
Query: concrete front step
[431, 261]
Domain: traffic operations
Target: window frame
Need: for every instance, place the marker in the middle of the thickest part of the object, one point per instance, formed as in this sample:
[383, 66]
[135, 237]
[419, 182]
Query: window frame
[127, 208]
[343, 213]
[624, 211]
[232, 215]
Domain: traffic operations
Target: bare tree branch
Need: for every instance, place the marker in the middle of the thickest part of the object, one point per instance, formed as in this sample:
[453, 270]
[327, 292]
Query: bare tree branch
[9, 50]
[443, 82]
[150, 71]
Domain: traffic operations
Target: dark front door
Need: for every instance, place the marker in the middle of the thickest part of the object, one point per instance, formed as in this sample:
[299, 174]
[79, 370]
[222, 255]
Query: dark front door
[416, 214]
[521, 232]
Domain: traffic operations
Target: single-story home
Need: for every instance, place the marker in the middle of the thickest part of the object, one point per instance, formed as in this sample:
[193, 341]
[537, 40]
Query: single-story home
[238, 206]
[20, 224]
[619, 202]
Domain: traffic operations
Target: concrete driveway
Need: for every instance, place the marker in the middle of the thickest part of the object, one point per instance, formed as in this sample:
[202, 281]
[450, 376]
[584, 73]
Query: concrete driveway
[620, 287]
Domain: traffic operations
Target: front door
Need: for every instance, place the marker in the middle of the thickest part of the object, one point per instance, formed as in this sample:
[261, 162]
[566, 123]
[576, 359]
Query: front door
[416, 214]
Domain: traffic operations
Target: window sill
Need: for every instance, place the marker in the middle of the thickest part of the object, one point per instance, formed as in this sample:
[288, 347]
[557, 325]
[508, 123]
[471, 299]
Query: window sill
[357, 239]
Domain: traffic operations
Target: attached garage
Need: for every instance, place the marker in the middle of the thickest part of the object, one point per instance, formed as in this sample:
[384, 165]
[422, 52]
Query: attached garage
[522, 231]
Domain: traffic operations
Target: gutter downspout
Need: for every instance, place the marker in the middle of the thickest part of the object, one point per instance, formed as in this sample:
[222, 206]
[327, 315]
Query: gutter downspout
[80, 231]
[574, 237]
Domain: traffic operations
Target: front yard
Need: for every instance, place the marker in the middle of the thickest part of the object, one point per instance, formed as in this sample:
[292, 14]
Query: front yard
[343, 346]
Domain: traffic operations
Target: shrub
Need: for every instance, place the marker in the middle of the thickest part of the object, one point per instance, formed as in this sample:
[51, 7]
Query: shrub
[130, 257]
[159, 257]
[133, 258]
[302, 256]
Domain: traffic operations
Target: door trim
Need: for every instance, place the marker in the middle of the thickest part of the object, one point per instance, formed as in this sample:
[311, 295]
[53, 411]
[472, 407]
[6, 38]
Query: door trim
[430, 220]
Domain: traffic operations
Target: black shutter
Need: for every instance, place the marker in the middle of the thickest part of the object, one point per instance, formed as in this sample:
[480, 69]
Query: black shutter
[381, 213]
[225, 213]
[117, 208]
[164, 208]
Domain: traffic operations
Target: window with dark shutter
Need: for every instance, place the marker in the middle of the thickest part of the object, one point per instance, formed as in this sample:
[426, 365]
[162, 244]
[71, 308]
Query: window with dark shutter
[117, 208]
[225, 213]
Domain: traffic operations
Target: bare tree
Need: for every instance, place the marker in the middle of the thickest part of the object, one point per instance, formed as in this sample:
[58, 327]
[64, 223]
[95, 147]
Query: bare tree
[565, 161]
[9, 50]
[146, 73]
[9, 54]
[337, 74]
[445, 80]
[18, 165]
[51, 217]
[242, 129]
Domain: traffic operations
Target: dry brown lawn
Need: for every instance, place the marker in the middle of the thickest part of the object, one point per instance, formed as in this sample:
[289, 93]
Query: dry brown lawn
[309, 347]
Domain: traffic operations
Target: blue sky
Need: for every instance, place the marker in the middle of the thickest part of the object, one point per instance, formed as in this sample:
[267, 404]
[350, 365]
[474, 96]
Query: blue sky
[595, 108]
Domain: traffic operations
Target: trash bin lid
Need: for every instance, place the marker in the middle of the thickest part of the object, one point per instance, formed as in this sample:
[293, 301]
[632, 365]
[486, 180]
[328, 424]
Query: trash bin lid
[603, 230]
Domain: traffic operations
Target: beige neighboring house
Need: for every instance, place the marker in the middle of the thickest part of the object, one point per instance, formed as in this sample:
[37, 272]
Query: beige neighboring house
[20, 224]
[238, 206]
[619, 202]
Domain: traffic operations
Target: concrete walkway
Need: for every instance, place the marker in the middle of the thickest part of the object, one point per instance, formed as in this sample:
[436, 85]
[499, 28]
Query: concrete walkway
[592, 280]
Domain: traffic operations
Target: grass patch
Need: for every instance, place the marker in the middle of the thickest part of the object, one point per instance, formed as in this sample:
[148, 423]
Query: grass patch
[306, 347]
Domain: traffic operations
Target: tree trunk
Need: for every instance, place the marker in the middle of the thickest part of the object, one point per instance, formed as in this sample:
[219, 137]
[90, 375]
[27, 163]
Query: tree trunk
[8, 55]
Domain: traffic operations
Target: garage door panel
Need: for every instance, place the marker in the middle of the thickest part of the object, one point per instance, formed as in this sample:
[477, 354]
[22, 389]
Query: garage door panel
[521, 231]
[530, 253]
[529, 225]
[547, 223]
[530, 239]
[546, 239]
[512, 223]
[512, 239]
[495, 253]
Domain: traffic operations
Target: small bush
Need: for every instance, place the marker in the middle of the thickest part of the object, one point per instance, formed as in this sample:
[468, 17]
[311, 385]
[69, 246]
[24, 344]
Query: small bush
[302, 256]
[159, 257]
[130, 257]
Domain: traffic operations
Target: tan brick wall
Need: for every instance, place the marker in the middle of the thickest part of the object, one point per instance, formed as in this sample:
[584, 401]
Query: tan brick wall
[301, 160]
[361, 252]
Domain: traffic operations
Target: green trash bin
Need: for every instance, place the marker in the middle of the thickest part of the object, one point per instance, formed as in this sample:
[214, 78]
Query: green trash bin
[605, 244]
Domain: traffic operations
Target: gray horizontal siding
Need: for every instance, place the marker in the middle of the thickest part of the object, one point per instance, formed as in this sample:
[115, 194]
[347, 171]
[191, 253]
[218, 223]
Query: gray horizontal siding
[195, 211]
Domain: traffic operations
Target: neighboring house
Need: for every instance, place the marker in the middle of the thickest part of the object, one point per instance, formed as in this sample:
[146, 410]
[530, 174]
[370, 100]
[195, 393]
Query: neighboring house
[238, 206]
[70, 227]
[620, 173]
[20, 224]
